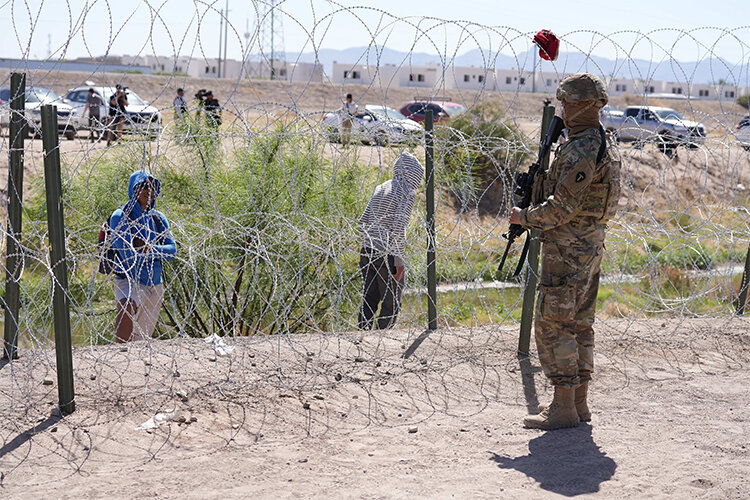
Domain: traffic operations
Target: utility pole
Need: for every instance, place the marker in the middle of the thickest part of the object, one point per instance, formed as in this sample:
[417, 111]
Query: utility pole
[221, 29]
[272, 35]
[226, 37]
[273, 9]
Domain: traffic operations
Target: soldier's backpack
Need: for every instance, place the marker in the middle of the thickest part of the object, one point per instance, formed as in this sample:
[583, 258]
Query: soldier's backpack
[107, 254]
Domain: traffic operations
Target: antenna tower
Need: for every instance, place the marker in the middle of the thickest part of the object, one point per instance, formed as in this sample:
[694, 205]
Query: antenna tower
[272, 36]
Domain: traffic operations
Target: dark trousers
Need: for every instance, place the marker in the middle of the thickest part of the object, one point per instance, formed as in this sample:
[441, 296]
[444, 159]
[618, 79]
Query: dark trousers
[380, 288]
[93, 127]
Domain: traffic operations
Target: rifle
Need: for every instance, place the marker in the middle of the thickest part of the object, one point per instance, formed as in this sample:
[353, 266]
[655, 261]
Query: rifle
[524, 184]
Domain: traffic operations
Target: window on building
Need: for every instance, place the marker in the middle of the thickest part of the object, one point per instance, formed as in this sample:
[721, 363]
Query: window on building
[346, 74]
[466, 78]
[549, 82]
[650, 90]
[420, 77]
[355, 75]
[523, 81]
[411, 77]
[162, 67]
[729, 93]
[213, 69]
[677, 90]
[480, 78]
[703, 93]
[507, 80]
[207, 69]
[282, 72]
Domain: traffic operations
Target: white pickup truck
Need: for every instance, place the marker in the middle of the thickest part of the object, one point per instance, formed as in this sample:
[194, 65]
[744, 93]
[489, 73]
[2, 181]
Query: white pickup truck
[663, 126]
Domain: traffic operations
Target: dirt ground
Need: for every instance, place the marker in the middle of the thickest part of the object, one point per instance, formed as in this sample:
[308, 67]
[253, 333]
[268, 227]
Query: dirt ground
[400, 414]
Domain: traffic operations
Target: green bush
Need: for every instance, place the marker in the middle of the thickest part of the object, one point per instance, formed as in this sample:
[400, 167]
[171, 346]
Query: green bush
[480, 152]
[744, 101]
[267, 239]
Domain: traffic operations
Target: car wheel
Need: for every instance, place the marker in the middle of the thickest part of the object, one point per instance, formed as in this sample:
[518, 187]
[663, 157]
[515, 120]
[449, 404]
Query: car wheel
[667, 145]
[381, 139]
[70, 134]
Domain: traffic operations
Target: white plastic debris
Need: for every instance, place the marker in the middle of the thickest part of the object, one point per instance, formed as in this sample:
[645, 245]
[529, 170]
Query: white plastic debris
[157, 420]
[220, 347]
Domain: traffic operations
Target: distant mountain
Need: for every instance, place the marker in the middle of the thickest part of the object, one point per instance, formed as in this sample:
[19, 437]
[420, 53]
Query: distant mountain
[710, 70]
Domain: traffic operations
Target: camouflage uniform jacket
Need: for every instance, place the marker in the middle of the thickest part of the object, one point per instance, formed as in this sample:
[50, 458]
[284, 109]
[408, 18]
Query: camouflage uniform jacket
[575, 197]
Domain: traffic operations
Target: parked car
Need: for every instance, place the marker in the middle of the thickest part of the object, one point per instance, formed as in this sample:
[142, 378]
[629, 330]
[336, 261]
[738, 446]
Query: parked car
[743, 133]
[441, 110]
[35, 98]
[665, 126]
[375, 124]
[141, 117]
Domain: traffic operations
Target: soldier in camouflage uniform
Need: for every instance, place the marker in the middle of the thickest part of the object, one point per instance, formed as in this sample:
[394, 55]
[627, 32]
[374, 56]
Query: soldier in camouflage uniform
[572, 203]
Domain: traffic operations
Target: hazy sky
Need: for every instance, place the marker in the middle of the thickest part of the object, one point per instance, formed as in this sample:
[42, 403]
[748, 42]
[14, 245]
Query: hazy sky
[687, 30]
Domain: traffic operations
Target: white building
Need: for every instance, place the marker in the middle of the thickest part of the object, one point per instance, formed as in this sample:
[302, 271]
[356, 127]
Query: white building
[514, 80]
[303, 72]
[383, 76]
[470, 78]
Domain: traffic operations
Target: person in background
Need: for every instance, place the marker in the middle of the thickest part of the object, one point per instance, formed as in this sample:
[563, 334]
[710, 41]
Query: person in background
[93, 103]
[142, 241]
[212, 108]
[180, 106]
[118, 103]
[383, 230]
[348, 112]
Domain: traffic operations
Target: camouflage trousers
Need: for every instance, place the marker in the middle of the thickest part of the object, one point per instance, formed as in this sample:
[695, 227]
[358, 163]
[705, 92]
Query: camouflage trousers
[566, 305]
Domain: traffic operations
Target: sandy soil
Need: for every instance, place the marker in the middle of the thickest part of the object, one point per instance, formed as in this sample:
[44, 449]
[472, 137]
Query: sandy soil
[332, 416]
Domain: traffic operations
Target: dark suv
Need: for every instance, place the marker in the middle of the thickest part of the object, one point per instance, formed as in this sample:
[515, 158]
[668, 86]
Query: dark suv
[441, 110]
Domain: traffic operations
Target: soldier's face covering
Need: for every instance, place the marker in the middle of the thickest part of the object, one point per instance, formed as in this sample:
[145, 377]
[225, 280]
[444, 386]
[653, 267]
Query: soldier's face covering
[580, 116]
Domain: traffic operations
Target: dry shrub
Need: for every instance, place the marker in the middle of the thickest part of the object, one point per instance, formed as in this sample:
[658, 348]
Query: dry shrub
[615, 309]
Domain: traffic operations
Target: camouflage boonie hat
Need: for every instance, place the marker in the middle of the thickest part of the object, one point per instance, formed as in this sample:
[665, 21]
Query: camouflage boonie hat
[582, 87]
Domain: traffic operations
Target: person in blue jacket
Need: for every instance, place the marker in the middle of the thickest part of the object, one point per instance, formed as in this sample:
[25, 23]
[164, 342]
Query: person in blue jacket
[141, 240]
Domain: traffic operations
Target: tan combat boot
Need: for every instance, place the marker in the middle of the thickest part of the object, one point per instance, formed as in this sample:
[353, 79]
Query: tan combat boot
[559, 414]
[582, 407]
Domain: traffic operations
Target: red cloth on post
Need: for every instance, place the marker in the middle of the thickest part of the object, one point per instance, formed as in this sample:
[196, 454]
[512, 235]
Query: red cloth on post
[548, 43]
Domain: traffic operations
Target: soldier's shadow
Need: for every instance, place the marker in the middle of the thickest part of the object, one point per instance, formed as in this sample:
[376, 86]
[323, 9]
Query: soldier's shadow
[567, 462]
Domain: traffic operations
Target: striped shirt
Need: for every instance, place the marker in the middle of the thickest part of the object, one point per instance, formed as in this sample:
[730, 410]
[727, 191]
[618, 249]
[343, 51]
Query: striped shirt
[383, 224]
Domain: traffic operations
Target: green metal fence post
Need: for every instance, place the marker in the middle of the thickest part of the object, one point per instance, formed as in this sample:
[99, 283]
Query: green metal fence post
[13, 259]
[56, 229]
[743, 286]
[532, 267]
[430, 202]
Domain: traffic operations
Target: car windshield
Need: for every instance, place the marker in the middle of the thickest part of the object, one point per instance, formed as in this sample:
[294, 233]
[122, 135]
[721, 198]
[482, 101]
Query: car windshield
[668, 114]
[383, 113]
[454, 109]
[41, 95]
